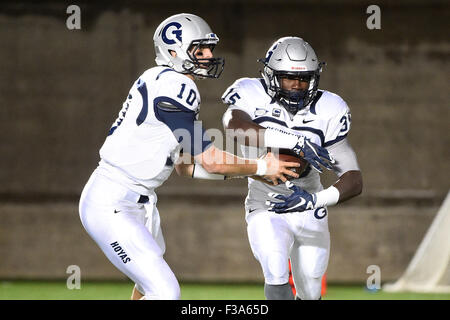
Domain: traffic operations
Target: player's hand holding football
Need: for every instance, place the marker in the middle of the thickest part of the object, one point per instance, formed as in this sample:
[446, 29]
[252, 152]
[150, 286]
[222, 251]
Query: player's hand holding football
[278, 169]
[313, 153]
[300, 200]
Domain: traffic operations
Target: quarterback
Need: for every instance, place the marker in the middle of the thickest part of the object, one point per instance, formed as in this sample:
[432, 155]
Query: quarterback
[157, 121]
[287, 99]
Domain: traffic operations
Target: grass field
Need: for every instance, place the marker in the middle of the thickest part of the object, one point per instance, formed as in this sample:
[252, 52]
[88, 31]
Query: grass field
[53, 290]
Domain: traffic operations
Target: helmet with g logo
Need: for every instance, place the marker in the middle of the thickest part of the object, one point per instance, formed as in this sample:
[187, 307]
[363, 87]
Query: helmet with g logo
[183, 34]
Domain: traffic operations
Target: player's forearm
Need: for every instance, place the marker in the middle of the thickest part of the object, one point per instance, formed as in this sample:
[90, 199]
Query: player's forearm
[349, 185]
[244, 169]
[196, 171]
[184, 170]
[241, 127]
[217, 161]
[245, 131]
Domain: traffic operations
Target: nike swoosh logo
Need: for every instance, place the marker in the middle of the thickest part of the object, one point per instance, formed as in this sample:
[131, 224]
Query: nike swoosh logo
[251, 210]
[307, 121]
[116, 211]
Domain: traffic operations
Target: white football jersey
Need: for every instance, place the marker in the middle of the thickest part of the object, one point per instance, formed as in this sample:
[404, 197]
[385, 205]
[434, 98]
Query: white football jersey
[140, 149]
[325, 121]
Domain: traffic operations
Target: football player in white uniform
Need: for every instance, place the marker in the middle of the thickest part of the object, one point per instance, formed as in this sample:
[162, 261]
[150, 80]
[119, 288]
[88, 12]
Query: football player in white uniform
[118, 203]
[287, 99]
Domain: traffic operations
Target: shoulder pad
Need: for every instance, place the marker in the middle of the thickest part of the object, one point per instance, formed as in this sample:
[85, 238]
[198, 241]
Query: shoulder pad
[328, 104]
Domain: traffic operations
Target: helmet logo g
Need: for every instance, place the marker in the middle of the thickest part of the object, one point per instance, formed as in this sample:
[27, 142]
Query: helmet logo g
[176, 32]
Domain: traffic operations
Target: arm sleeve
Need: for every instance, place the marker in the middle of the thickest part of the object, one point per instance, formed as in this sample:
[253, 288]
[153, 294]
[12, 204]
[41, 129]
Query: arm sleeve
[181, 121]
[345, 157]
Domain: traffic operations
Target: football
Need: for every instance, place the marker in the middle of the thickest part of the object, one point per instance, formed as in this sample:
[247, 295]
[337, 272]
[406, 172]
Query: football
[294, 158]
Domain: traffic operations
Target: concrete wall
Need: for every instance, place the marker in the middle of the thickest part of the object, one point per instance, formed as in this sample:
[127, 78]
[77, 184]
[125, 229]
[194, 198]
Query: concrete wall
[60, 91]
[207, 241]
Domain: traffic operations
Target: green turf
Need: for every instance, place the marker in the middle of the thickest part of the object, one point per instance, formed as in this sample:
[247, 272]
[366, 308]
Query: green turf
[40, 290]
[361, 293]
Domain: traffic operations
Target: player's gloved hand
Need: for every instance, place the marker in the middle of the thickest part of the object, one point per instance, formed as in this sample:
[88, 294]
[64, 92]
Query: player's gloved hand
[300, 200]
[313, 153]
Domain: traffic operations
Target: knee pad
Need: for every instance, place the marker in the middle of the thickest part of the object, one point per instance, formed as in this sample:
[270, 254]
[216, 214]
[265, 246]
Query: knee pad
[311, 289]
[276, 270]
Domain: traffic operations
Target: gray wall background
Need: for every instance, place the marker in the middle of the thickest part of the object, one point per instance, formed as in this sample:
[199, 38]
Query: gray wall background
[60, 91]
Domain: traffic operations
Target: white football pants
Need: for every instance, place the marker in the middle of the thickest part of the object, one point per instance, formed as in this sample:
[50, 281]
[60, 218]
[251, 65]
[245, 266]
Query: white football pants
[302, 237]
[129, 235]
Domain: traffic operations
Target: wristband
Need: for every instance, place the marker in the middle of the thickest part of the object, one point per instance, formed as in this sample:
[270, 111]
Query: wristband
[198, 172]
[327, 197]
[261, 167]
